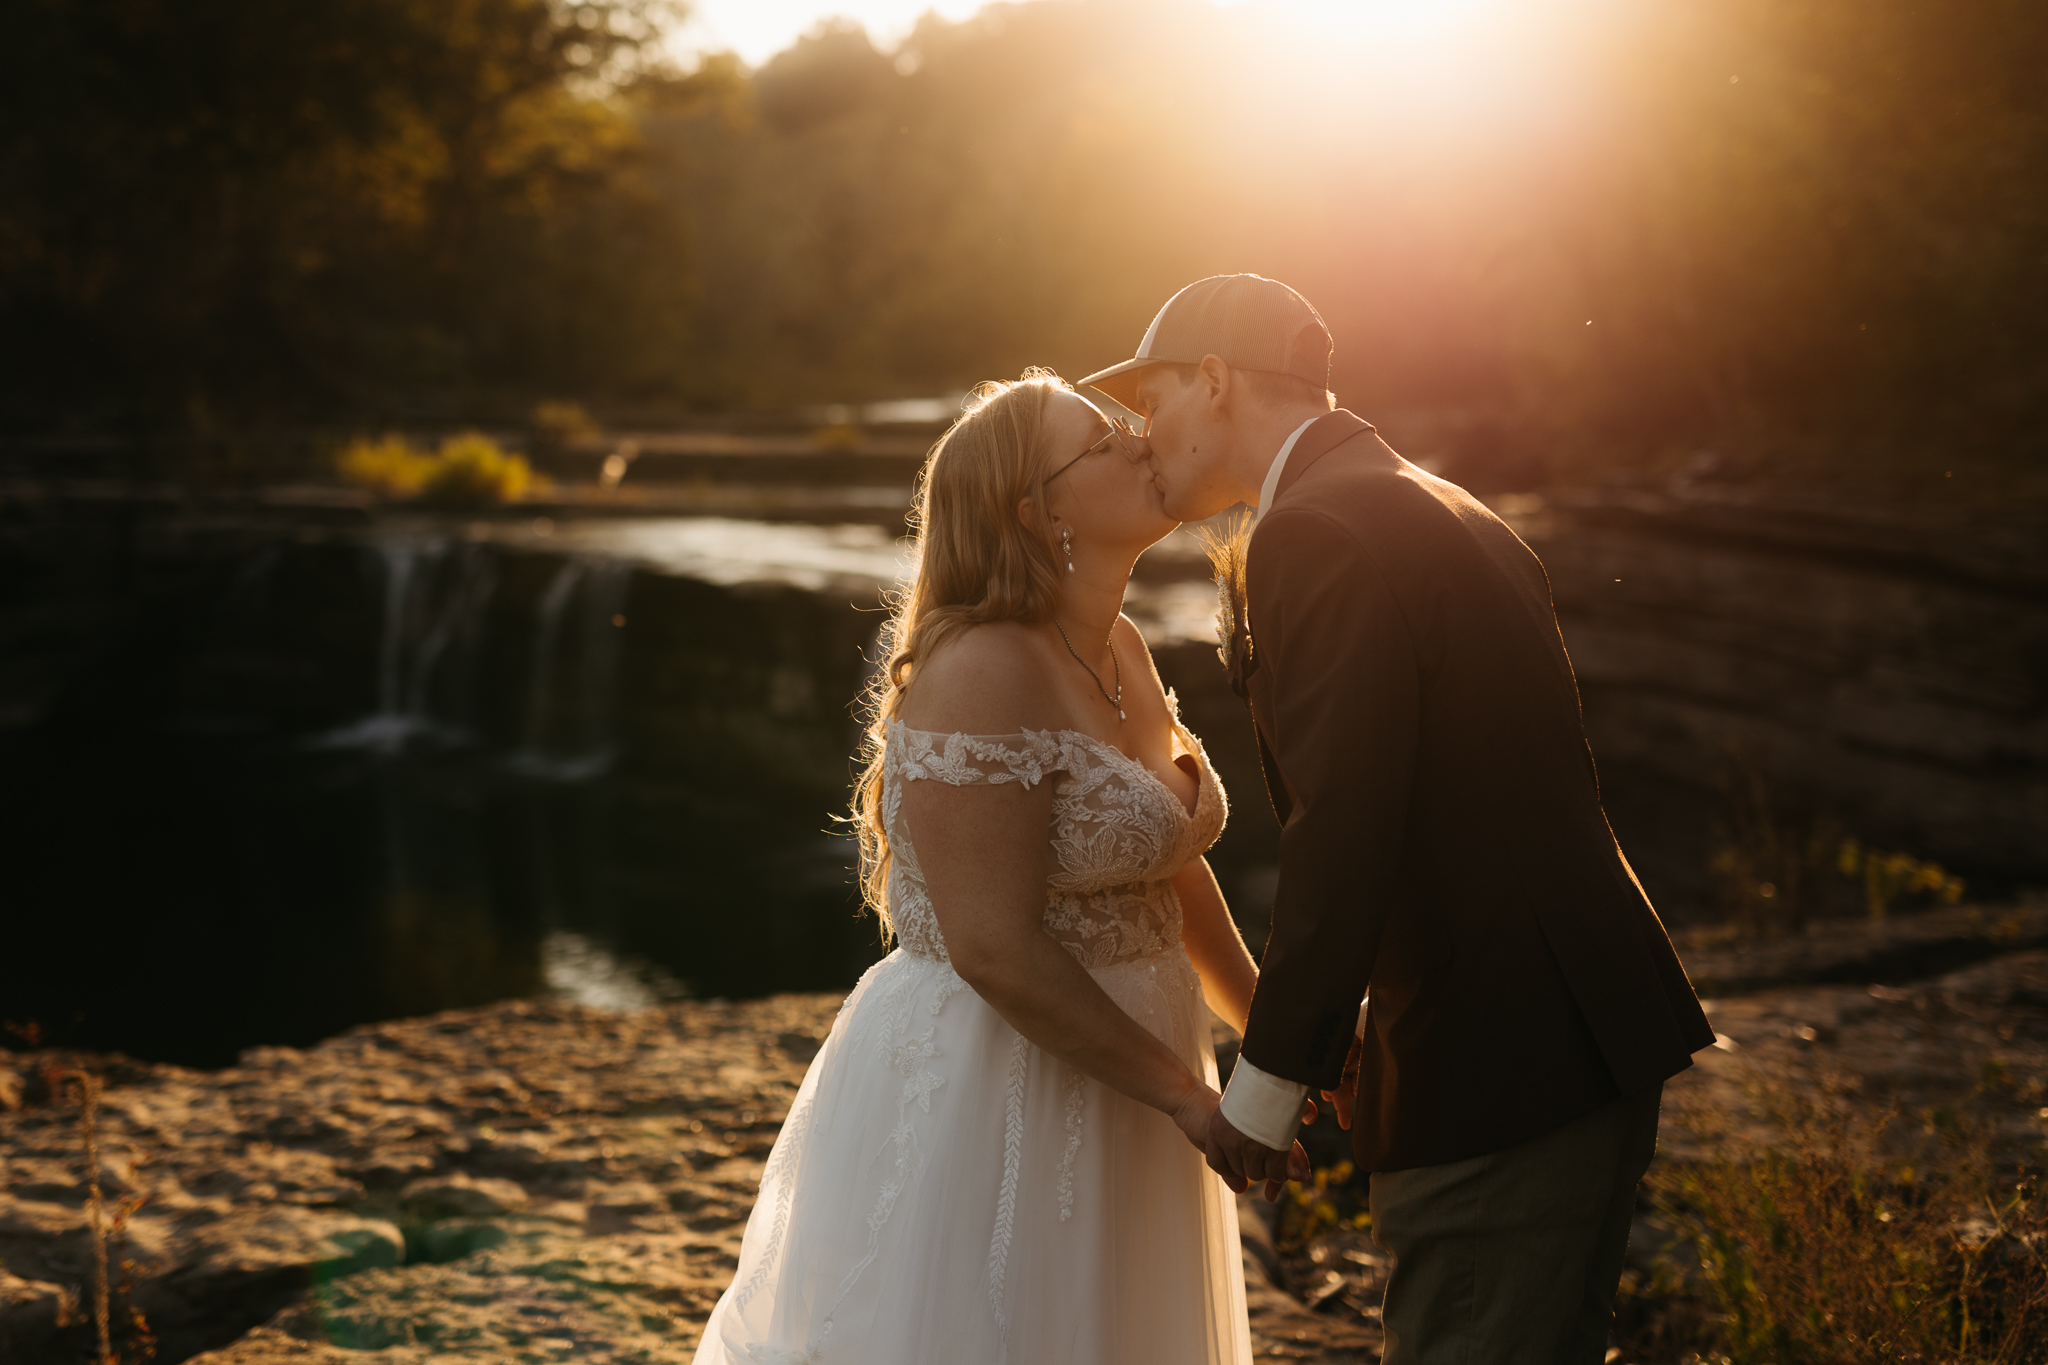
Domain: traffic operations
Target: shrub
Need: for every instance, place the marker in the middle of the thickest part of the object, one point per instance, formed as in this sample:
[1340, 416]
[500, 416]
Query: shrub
[471, 468]
[557, 423]
[1330, 1199]
[468, 468]
[1889, 877]
[390, 466]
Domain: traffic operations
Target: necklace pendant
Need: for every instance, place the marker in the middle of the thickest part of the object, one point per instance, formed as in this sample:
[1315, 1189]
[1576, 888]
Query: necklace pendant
[1119, 713]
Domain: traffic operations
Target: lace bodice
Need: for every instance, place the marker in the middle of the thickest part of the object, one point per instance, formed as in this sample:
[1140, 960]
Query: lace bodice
[1118, 834]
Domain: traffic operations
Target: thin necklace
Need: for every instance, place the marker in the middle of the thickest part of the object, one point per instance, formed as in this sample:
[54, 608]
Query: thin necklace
[1118, 700]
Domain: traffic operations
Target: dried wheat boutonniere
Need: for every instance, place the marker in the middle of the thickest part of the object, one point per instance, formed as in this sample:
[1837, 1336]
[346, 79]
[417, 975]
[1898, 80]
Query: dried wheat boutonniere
[1226, 545]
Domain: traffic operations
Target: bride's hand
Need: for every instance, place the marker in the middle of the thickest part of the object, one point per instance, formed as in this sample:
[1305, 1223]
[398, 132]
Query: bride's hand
[1192, 1118]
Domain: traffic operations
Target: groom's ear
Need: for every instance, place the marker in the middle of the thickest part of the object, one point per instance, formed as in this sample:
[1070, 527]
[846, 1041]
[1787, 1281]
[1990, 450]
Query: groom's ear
[1216, 380]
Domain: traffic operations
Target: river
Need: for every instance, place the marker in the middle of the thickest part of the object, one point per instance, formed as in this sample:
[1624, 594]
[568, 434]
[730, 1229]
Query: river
[279, 765]
[288, 773]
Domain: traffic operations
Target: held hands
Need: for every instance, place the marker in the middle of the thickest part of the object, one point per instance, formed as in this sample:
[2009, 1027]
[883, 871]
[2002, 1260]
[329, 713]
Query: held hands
[1192, 1117]
[1241, 1161]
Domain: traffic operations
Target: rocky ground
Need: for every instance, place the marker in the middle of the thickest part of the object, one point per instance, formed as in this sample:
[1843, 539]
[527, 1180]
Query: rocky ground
[536, 1182]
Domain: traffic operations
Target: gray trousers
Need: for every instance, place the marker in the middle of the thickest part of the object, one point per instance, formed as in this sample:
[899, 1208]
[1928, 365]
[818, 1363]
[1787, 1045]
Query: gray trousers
[1512, 1258]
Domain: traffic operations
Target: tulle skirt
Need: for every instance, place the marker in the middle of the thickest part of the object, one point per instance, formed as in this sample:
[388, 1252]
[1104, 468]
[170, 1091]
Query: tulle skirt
[945, 1193]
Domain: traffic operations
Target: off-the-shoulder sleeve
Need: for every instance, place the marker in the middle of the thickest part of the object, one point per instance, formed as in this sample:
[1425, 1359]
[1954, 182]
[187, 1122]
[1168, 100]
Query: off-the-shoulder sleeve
[962, 760]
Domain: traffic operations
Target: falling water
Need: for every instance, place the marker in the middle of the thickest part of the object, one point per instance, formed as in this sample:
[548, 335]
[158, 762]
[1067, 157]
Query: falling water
[567, 736]
[431, 622]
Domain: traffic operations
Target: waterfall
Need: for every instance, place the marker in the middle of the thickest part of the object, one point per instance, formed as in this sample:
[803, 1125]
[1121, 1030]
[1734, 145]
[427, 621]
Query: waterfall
[434, 598]
[435, 594]
[567, 736]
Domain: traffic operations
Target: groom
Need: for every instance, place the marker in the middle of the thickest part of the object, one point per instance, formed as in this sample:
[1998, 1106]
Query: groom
[1442, 842]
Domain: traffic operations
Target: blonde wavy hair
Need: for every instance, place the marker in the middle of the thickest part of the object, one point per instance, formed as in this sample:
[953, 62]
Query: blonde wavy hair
[976, 563]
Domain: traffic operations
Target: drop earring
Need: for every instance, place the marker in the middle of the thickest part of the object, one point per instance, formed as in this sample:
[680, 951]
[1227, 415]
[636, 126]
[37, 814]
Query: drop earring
[1067, 547]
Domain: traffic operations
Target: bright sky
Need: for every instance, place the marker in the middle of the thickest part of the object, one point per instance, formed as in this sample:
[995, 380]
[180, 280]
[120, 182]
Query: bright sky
[758, 29]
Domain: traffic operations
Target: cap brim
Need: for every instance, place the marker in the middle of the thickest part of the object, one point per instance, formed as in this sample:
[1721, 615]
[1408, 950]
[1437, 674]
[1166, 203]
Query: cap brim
[1120, 381]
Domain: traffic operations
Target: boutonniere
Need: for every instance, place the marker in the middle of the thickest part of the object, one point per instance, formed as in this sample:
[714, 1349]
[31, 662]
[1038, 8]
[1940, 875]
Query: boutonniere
[1226, 548]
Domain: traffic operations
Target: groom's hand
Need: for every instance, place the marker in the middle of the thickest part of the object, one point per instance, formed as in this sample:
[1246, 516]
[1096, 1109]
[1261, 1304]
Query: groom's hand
[1346, 1093]
[1242, 1162]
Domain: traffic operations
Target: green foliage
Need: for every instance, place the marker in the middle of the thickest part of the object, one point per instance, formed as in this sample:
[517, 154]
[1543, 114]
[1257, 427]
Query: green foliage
[1774, 874]
[223, 208]
[1826, 264]
[1329, 1199]
[1847, 1240]
[469, 468]
[1748, 237]
[1889, 877]
[557, 423]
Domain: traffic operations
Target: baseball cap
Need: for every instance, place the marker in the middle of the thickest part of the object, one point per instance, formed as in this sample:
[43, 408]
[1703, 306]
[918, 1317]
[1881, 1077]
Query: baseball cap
[1248, 321]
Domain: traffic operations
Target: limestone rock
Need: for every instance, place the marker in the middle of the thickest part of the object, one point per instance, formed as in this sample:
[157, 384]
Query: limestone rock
[269, 1346]
[461, 1195]
[1884, 666]
[1979, 1032]
[360, 1179]
[541, 1181]
[31, 1311]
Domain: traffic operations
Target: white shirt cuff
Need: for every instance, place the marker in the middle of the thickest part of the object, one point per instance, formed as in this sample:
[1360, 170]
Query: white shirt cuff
[1263, 1107]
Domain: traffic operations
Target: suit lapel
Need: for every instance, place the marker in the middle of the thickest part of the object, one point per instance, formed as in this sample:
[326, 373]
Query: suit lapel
[1320, 439]
[1261, 699]
[1324, 436]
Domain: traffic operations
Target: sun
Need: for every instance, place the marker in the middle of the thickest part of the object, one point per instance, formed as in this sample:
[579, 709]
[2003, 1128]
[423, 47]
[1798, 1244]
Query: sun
[1351, 20]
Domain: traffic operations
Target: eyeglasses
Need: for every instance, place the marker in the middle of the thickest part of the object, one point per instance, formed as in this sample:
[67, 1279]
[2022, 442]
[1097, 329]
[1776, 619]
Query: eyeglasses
[1119, 432]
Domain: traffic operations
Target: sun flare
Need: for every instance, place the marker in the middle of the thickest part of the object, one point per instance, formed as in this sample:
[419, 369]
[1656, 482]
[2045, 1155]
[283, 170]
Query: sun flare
[1366, 19]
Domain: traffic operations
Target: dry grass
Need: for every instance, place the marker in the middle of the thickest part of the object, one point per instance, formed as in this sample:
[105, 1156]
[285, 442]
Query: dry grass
[1852, 1236]
[105, 1231]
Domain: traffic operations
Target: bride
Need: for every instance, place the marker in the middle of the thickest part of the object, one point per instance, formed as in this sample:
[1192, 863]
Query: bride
[997, 1154]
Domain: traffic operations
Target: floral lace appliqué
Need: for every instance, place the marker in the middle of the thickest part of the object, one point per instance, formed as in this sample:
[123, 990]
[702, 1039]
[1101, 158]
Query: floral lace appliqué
[919, 1080]
[1077, 1094]
[1118, 835]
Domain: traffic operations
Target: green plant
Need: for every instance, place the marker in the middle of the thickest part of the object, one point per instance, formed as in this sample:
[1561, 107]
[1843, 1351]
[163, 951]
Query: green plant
[1887, 877]
[1774, 874]
[1325, 1201]
[468, 468]
[390, 466]
[557, 423]
[471, 468]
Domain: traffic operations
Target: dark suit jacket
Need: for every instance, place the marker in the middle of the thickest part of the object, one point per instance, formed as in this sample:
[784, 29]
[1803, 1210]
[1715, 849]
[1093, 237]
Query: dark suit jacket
[1442, 834]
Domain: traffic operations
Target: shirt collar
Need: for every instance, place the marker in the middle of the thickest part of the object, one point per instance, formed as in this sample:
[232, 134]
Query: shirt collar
[1272, 482]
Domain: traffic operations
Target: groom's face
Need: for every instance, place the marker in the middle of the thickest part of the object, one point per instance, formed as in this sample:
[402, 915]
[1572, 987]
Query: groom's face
[1187, 448]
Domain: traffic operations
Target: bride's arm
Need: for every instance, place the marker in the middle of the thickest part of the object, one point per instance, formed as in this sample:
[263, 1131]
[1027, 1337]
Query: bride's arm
[1214, 945]
[984, 851]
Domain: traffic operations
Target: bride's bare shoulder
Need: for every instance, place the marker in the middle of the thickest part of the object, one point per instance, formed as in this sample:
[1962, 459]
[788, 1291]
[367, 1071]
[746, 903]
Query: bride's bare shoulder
[987, 680]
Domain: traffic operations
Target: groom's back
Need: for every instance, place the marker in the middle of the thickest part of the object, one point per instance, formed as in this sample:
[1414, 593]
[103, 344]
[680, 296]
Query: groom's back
[1519, 976]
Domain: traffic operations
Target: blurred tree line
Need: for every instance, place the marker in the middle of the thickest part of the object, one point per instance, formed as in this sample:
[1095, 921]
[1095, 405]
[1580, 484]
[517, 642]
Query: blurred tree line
[1574, 238]
[225, 210]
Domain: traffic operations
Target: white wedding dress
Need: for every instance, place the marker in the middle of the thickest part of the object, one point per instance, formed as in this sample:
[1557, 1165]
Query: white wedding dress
[945, 1193]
